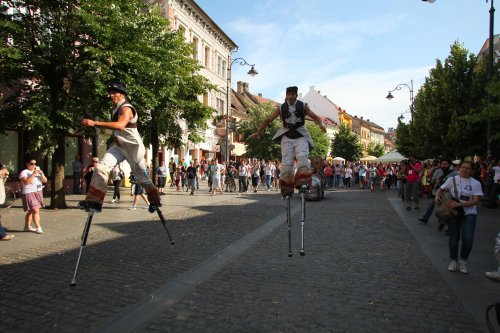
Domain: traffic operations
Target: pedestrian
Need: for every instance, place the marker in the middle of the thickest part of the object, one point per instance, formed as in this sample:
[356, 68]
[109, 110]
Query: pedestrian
[88, 172]
[495, 189]
[117, 175]
[439, 175]
[139, 192]
[161, 177]
[172, 168]
[128, 146]
[191, 176]
[255, 175]
[242, 177]
[3, 234]
[348, 175]
[178, 177]
[412, 169]
[32, 180]
[373, 177]
[4, 175]
[217, 170]
[77, 167]
[362, 176]
[468, 195]
[495, 275]
[295, 140]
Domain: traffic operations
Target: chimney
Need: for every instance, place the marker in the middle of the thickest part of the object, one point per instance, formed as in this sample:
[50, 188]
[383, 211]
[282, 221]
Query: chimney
[361, 118]
[245, 87]
[239, 87]
[260, 94]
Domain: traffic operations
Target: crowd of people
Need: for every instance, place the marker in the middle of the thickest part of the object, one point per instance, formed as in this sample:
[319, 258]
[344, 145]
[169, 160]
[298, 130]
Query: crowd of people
[412, 179]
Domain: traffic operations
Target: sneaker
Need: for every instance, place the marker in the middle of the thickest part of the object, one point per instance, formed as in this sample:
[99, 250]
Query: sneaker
[191, 193]
[117, 200]
[39, 231]
[422, 219]
[30, 228]
[494, 275]
[462, 266]
[90, 206]
[452, 266]
[147, 206]
[113, 201]
[132, 207]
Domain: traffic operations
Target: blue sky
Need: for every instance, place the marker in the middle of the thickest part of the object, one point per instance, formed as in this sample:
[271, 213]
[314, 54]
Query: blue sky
[353, 51]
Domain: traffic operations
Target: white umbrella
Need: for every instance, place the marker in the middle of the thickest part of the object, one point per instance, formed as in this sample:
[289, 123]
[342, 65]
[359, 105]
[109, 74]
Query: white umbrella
[339, 159]
[392, 156]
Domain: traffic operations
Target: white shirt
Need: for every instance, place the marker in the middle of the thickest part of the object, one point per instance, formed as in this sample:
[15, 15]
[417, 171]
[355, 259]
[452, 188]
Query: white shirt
[36, 184]
[466, 188]
[496, 178]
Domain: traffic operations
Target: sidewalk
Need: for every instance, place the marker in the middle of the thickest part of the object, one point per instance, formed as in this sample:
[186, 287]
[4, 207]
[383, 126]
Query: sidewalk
[59, 225]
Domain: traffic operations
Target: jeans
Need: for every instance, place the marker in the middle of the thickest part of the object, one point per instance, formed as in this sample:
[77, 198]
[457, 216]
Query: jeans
[337, 180]
[461, 228]
[242, 184]
[77, 176]
[268, 181]
[116, 193]
[429, 211]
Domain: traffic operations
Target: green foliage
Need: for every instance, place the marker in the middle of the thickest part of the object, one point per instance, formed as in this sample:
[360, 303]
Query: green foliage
[375, 149]
[65, 53]
[263, 147]
[346, 144]
[320, 139]
[451, 110]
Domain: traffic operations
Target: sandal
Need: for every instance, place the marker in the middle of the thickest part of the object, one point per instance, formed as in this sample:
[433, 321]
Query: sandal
[7, 237]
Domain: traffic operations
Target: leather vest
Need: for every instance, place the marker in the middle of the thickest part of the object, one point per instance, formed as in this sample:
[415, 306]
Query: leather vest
[116, 114]
[299, 113]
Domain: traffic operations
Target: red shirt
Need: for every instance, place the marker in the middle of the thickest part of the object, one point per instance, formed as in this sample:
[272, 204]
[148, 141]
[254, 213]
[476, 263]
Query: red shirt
[413, 174]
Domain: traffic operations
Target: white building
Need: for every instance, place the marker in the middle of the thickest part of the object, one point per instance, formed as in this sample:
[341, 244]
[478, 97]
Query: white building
[320, 104]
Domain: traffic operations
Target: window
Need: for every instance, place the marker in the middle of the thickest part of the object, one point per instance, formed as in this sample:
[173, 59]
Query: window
[221, 67]
[207, 57]
[195, 45]
[220, 106]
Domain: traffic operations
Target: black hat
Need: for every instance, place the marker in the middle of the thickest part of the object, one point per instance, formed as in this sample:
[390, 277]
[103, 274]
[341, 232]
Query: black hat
[117, 86]
[292, 89]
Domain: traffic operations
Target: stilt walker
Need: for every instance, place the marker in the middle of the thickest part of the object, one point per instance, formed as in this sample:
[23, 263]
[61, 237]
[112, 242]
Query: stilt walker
[295, 143]
[128, 146]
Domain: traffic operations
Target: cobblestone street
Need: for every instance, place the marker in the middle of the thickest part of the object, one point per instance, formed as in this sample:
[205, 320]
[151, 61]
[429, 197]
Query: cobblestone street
[367, 268]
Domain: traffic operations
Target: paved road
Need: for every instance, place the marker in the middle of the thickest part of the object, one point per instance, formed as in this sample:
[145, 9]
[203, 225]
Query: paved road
[369, 267]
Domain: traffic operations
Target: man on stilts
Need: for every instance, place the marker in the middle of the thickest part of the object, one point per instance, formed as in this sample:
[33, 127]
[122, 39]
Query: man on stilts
[128, 146]
[296, 143]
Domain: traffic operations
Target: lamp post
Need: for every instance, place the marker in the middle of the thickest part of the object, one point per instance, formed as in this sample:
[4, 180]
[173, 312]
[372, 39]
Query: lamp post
[252, 72]
[398, 87]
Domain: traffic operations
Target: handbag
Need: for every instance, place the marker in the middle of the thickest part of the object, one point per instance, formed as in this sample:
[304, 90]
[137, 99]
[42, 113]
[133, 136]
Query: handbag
[443, 212]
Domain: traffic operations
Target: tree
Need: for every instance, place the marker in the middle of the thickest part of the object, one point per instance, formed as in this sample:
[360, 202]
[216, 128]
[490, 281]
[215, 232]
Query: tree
[346, 144]
[64, 53]
[449, 115]
[263, 147]
[321, 142]
[375, 149]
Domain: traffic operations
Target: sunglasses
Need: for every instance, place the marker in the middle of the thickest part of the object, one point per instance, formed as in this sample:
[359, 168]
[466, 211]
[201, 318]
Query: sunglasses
[32, 163]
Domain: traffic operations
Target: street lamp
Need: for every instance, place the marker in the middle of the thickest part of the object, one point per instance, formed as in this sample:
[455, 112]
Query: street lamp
[398, 87]
[252, 72]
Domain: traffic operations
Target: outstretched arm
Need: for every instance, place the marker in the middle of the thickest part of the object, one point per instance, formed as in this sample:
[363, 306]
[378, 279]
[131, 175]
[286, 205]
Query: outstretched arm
[315, 117]
[123, 118]
[266, 122]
